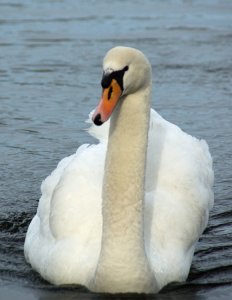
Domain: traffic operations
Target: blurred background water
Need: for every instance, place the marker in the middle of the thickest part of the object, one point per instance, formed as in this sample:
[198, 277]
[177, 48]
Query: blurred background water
[50, 72]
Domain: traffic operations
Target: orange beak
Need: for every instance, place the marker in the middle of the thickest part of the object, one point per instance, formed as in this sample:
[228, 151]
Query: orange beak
[109, 99]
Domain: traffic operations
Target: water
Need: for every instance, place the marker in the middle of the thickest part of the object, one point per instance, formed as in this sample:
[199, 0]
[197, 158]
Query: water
[50, 71]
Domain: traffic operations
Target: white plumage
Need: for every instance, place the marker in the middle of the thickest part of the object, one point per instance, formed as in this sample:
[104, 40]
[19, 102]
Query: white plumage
[63, 242]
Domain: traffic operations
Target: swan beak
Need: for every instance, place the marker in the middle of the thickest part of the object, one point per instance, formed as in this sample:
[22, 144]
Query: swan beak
[109, 99]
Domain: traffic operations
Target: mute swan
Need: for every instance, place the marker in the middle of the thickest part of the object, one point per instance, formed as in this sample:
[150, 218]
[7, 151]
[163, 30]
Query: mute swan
[124, 215]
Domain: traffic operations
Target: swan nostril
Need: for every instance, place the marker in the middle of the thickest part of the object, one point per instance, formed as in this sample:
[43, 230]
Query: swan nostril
[110, 93]
[97, 120]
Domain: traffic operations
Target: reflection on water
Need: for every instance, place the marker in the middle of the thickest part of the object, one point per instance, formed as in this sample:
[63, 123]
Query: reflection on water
[51, 53]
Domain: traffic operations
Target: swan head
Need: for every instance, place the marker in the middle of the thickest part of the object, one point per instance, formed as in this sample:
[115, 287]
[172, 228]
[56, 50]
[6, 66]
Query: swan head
[125, 71]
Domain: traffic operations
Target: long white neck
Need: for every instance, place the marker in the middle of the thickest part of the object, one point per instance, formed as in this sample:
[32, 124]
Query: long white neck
[123, 265]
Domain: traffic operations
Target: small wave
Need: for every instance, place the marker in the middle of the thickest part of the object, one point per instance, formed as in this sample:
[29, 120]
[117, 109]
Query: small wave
[15, 223]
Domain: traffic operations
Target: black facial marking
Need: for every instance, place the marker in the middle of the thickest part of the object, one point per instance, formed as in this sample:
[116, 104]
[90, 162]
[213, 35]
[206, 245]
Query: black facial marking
[117, 75]
[126, 68]
[106, 80]
[110, 92]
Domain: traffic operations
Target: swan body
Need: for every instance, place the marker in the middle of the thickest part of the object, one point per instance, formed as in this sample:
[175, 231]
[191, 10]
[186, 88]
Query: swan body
[124, 215]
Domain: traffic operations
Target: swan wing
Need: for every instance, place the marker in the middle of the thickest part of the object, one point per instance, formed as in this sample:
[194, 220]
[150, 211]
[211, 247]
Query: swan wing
[63, 239]
[179, 196]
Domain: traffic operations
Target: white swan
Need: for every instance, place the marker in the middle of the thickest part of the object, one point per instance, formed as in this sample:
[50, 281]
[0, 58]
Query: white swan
[131, 225]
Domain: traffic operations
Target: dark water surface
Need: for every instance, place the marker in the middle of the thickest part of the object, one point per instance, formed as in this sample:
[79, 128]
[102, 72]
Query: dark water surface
[50, 71]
